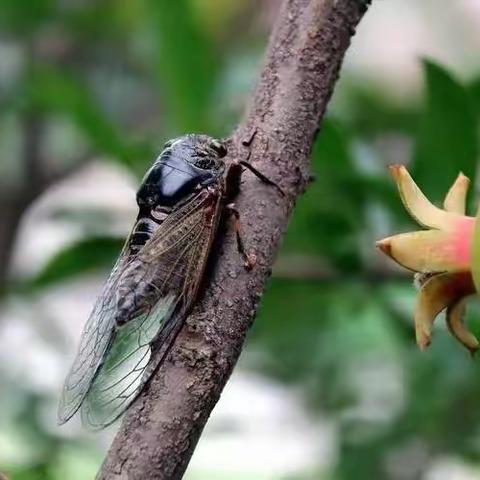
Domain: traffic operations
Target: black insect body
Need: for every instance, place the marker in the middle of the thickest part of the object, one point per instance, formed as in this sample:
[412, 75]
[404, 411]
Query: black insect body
[154, 281]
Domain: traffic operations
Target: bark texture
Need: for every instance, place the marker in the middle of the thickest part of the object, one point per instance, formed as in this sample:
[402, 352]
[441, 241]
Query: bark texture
[306, 49]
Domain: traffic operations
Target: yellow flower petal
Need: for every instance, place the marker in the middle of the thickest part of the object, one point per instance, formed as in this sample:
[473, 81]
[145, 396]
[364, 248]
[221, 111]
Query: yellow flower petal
[455, 201]
[438, 293]
[429, 251]
[417, 205]
[455, 317]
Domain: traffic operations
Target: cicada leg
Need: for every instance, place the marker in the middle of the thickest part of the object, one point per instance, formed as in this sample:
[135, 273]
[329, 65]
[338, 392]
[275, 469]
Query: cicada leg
[250, 259]
[261, 176]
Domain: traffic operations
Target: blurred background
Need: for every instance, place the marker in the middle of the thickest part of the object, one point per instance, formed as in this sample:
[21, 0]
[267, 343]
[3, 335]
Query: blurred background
[330, 385]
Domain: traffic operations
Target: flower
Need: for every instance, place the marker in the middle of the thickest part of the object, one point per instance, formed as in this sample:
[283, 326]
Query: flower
[442, 256]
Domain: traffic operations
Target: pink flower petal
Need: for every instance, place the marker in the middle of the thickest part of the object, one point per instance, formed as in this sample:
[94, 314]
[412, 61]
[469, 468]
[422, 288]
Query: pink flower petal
[430, 251]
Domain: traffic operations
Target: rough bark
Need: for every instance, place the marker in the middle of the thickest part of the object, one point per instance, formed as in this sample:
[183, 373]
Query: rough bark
[307, 46]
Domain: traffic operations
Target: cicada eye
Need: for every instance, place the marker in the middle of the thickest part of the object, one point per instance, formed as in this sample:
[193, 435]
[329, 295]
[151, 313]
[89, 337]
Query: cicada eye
[219, 147]
[205, 163]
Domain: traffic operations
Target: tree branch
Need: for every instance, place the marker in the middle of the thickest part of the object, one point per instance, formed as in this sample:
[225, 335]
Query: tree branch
[161, 429]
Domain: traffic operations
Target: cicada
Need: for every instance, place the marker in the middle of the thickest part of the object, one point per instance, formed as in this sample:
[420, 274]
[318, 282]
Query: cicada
[155, 280]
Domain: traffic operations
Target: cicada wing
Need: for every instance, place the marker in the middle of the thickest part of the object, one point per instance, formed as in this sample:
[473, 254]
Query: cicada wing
[120, 377]
[177, 253]
[94, 342]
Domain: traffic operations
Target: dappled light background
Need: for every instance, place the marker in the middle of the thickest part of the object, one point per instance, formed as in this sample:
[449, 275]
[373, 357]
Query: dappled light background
[330, 385]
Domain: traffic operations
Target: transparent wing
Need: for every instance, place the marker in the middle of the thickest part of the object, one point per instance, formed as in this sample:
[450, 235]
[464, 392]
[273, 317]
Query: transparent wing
[114, 362]
[93, 344]
[120, 376]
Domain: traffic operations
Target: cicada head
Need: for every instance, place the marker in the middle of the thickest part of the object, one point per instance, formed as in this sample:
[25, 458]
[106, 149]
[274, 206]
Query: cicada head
[203, 151]
[186, 165]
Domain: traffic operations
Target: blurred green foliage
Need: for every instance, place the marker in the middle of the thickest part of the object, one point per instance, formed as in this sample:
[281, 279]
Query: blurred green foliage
[126, 75]
[82, 257]
[447, 132]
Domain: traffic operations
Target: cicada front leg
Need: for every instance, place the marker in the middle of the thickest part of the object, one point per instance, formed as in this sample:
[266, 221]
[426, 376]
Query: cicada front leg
[250, 259]
[232, 188]
[261, 176]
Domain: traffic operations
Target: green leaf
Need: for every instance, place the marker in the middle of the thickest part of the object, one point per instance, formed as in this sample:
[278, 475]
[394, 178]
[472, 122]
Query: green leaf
[447, 138]
[474, 91]
[52, 90]
[326, 221]
[370, 113]
[82, 257]
[186, 65]
[25, 16]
